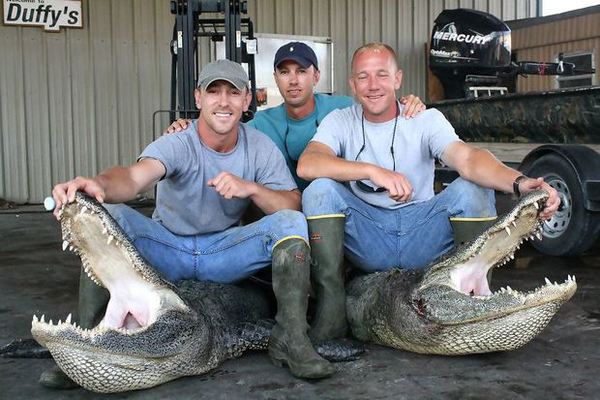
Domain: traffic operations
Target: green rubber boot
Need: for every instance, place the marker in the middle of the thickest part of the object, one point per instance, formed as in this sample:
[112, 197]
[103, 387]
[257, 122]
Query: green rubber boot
[289, 344]
[327, 275]
[92, 306]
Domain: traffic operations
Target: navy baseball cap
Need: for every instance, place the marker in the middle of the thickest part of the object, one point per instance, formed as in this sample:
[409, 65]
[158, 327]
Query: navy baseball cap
[298, 52]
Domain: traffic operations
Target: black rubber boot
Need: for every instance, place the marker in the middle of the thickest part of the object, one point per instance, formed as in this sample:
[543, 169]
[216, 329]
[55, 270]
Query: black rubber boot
[327, 275]
[92, 307]
[289, 344]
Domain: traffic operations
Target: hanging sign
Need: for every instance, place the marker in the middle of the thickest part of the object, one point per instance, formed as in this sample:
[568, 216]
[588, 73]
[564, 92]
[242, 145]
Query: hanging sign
[51, 14]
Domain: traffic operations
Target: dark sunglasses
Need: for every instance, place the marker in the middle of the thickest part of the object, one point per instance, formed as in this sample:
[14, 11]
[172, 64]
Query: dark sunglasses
[368, 188]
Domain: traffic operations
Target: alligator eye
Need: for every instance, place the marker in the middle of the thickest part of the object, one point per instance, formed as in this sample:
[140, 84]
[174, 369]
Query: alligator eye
[419, 306]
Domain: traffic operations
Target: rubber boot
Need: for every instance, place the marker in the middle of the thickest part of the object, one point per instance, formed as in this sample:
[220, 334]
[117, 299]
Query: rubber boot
[289, 344]
[92, 307]
[327, 275]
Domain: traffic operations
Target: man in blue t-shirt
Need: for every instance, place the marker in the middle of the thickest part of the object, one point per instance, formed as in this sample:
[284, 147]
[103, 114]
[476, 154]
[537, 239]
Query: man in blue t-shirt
[206, 177]
[372, 174]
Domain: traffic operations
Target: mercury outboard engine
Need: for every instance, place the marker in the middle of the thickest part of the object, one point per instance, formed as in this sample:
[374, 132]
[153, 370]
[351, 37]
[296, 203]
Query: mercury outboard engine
[472, 48]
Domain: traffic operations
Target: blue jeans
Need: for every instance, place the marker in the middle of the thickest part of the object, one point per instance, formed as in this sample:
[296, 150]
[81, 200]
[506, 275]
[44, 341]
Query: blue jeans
[377, 239]
[227, 256]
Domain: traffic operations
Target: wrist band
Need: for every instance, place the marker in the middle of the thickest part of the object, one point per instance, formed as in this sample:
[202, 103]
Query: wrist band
[518, 180]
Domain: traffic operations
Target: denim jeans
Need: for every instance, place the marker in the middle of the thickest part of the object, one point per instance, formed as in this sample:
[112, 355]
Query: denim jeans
[225, 257]
[377, 239]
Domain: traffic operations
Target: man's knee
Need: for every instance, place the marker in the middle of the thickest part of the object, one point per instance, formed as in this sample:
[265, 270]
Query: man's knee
[121, 213]
[474, 200]
[322, 196]
[288, 223]
[117, 211]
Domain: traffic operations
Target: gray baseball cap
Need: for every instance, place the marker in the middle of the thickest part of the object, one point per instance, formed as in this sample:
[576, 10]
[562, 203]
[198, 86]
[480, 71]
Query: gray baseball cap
[223, 70]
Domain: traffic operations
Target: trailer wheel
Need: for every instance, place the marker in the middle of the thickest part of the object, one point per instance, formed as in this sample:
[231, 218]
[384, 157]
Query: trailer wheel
[572, 229]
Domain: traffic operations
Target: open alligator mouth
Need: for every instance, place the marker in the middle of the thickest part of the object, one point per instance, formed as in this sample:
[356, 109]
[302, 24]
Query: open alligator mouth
[137, 292]
[448, 308]
[466, 270]
[142, 311]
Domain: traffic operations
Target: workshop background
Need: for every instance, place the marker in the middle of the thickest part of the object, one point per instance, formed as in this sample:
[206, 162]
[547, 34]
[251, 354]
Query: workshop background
[80, 100]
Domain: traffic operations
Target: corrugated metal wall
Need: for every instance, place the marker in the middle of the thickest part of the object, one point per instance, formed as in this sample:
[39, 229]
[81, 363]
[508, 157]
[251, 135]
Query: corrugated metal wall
[75, 102]
[543, 42]
[78, 101]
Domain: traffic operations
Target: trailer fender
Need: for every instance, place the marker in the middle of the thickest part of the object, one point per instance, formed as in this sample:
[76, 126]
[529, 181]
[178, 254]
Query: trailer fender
[585, 163]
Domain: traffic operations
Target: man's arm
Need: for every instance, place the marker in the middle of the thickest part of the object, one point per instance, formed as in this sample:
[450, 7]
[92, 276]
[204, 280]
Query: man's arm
[481, 167]
[268, 200]
[319, 161]
[115, 185]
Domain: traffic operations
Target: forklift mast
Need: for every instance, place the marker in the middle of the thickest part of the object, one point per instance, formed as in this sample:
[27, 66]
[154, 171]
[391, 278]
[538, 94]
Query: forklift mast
[240, 46]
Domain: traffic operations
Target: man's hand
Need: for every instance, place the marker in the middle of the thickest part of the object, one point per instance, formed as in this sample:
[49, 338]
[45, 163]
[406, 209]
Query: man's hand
[177, 126]
[231, 186]
[64, 193]
[532, 184]
[395, 183]
[413, 106]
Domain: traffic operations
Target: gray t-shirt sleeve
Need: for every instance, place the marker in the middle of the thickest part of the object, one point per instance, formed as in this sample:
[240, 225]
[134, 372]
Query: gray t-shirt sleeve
[333, 132]
[272, 170]
[167, 149]
[440, 133]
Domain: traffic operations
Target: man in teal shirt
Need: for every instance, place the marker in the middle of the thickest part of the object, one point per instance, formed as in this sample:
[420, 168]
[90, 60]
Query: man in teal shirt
[291, 126]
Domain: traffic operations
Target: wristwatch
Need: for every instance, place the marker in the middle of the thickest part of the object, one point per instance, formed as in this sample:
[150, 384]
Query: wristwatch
[516, 189]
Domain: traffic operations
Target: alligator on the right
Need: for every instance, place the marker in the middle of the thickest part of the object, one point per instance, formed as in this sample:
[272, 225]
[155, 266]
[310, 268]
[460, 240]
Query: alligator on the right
[448, 308]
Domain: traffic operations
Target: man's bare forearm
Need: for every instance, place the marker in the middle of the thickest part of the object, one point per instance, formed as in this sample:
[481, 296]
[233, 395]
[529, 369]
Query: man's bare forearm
[313, 165]
[487, 171]
[270, 201]
[118, 185]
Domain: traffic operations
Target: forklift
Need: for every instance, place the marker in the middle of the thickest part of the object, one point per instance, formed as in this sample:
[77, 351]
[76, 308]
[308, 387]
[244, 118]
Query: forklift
[190, 25]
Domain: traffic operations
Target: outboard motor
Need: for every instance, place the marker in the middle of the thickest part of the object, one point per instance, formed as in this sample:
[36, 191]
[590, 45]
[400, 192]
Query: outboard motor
[471, 48]
[468, 45]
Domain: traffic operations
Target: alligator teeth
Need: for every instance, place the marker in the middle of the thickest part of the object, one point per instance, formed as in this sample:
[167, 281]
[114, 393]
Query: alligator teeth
[514, 223]
[548, 281]
[43, 319]
[83, 210]
[65, 245]
[537, 206]
[104, 230]
[110, 238]
[68, 320]
[538, 235]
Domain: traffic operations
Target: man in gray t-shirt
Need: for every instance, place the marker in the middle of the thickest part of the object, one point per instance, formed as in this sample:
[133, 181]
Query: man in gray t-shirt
[207, 177]
[373, 172]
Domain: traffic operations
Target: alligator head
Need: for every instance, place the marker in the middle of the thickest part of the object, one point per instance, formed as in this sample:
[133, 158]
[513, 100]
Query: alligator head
[448, 308]
[149, 334]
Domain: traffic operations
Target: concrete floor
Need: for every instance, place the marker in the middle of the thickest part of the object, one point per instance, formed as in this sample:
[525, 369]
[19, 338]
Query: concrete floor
[562, 363]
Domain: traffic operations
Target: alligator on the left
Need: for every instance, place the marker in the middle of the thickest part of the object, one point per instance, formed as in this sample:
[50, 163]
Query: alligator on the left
[152, 332]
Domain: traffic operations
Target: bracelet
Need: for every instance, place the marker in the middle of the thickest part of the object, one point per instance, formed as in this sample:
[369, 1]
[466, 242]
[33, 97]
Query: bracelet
[516, 189]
